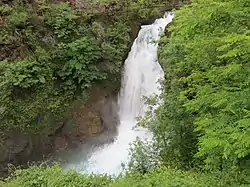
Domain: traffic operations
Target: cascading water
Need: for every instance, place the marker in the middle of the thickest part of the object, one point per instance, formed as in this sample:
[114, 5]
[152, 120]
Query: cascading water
[140, 78]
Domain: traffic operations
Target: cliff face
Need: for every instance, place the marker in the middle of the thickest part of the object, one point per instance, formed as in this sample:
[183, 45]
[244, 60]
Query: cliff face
[35, 43]
[87, 119]
[79, 117]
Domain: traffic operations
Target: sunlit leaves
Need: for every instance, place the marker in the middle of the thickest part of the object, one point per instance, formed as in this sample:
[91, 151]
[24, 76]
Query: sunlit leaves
[207, 72]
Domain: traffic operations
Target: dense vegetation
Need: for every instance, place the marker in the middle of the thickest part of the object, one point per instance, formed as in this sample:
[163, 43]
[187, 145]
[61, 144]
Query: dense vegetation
[202, 129]
[161, 177]
[205, 118]
[51, 55]
[164, 177]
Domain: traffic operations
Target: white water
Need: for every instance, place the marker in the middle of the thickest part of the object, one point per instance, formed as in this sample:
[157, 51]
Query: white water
[140, 78]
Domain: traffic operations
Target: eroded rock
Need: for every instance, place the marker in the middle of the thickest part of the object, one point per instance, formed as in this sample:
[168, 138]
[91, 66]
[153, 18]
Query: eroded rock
[91, 118]
[11, 144]
[88, 118]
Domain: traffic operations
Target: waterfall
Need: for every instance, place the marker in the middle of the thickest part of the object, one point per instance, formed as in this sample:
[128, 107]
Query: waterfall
[141, 71]
[140, 78]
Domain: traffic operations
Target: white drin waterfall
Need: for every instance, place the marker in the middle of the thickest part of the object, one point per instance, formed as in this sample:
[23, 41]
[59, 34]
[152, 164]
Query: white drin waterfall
[140, 78]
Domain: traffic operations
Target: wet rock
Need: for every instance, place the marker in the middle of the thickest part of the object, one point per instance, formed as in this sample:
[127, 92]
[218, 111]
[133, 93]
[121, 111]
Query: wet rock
[15, 147]
[69, 128]
[60, 143]
[12, 143]
[109, 114]
[90, 118]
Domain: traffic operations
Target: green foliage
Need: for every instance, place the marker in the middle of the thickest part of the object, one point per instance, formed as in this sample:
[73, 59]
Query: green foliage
[5, 9]
[59, 54]
[17, 18]
[205, 114]
[166, 177]
[143, 9]
[81, 57]
[55, 177]
[62, 18]
[27, 73]
[144, 157]
[56, 56]
[117, 35]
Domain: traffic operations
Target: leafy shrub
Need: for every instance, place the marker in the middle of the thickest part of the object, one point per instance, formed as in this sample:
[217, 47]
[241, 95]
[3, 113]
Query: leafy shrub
[27, 73]
[81, 58]
[115, 46]
[206, 101]
[54, 177]
[62, 18]
[167, 177]
[144, 157]
[57, 55]
[17, 19]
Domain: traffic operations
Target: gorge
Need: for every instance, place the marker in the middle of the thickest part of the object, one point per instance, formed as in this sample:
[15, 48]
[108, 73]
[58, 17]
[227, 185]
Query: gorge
[83, 81]
[141, 76]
